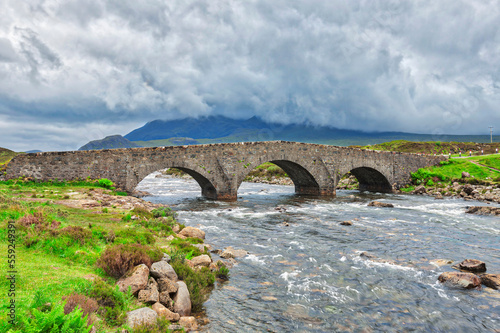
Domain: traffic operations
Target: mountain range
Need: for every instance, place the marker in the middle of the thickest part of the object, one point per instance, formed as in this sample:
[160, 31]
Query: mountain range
[217, 129]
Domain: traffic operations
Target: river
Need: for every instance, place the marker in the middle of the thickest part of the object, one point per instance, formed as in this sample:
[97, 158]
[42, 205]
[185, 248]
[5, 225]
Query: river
[304, 272]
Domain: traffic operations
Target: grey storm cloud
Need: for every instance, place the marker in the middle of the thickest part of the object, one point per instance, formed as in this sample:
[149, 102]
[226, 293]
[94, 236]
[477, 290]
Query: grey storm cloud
[76, 70]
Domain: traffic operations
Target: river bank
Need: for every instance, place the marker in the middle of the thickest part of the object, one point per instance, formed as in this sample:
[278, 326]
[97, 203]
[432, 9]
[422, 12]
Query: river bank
[72, 244]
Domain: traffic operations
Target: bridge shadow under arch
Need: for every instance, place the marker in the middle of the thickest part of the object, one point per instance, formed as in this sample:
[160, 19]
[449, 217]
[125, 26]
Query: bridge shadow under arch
[371, 180]
[303, 180]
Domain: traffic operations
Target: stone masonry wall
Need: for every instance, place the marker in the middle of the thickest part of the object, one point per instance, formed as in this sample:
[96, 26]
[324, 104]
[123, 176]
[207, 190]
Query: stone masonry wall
[220, 168]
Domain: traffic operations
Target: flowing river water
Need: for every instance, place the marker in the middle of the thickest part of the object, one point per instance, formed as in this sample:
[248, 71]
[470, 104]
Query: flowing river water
[304, 272]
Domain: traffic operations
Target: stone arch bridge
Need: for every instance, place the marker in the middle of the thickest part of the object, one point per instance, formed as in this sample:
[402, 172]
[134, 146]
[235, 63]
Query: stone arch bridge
[220, 168]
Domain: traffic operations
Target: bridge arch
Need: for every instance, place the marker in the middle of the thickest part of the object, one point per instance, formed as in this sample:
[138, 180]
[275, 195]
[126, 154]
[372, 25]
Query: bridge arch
[306, 179]
[208, 183]
[371, 180]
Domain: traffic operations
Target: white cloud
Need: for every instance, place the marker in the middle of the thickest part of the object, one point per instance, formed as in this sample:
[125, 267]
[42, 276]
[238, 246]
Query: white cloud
[422, 66]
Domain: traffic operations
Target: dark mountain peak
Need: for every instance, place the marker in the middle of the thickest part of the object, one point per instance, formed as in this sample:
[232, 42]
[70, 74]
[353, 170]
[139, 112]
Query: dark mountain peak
[109, 142]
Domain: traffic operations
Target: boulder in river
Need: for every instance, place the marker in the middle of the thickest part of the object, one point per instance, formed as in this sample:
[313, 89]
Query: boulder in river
[346, 223]
[192, 233]
[229, 252]
[419, 190]
[471, 265]
[491, 280]
[380, 204]
[464, 280]
[483, 210]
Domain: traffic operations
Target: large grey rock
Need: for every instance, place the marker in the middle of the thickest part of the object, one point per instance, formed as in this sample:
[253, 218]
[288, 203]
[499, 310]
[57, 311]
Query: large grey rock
[464, 280]
[167, 285]
[162, 269]
[141, 316]
[419, 190]
[182, 302]
[201, 261]
[136, 279]
[151, 295]
[162, 311]
[192, 232]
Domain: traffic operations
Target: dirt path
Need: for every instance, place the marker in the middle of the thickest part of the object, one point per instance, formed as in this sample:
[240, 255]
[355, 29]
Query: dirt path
[486, 166]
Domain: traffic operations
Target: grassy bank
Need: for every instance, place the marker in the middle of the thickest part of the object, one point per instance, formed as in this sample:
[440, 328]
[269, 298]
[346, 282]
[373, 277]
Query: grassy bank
[62, 231]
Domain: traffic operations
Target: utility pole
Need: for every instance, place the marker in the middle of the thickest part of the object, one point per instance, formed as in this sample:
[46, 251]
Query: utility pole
[491, 134]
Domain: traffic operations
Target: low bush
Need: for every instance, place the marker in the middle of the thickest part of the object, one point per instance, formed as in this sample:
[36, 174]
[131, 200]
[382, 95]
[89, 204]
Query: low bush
[163, 212]
[222, 271]
[119, 259]
[113, 304]
[77, 234]
[131, 236]
[106, 183]
[142, 212]
[87, 305]
[161, 326]
[199, 282]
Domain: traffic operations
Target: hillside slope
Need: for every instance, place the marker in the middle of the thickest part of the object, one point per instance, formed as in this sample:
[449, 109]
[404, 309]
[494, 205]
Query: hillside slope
[109, 142]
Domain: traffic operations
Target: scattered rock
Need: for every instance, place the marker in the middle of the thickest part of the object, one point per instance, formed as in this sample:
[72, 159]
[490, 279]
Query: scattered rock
[200, 247]
[374, 258]
[471, 265]
[192, 232]
[162, 269]
[167, 285]
[201, 261]
[188, 323]
[491, 280]
[229, 252]
[346, 223]
[464, 280]
[141, 316]
[136, 279]
[280, 209]
[419, 190]
[182, 302]
[162, 311]
[483, 210]
[269, 298]
[438, 196]
[465, 174]
[166, 257]
[380, 204]
[441, 262]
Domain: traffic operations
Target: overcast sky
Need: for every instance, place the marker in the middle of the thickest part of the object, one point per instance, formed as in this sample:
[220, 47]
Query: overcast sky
[72, 71]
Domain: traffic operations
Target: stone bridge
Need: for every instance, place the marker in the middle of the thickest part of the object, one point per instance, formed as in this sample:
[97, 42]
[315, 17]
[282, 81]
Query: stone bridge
[220, 168]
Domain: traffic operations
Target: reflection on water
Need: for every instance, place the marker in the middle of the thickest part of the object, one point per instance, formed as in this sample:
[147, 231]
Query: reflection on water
[309, 277]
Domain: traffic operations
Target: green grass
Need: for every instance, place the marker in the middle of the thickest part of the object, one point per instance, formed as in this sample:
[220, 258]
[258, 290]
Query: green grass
[452, 170]
[490, 160]
[62, 245]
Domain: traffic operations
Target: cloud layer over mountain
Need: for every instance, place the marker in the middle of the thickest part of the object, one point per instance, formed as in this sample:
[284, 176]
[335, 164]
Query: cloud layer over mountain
[77, 70]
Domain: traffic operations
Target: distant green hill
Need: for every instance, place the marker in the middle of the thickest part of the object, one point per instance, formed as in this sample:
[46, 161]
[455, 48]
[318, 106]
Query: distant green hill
[109, 142]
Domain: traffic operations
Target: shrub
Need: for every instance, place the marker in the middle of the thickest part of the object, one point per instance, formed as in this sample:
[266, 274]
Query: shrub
[142, 212]
[161, 326]
[113, 304]
[199, 282]
[119, 259]
[54, 320]
[130, 236]
[76, 233]
[87, 305]
[106, 183]
[430, 182]
[222, 271]
[163, 212]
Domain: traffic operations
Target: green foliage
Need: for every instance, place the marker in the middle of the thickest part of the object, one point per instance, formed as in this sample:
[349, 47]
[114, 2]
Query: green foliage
[131, 236]
[222, 271]
[119, 259]
[142, 212]
[430, 183]
[127, 217]
[113, 304]
[163, 212]
[43, 317]
[106, 183]
[161, 326]
[199, 282]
